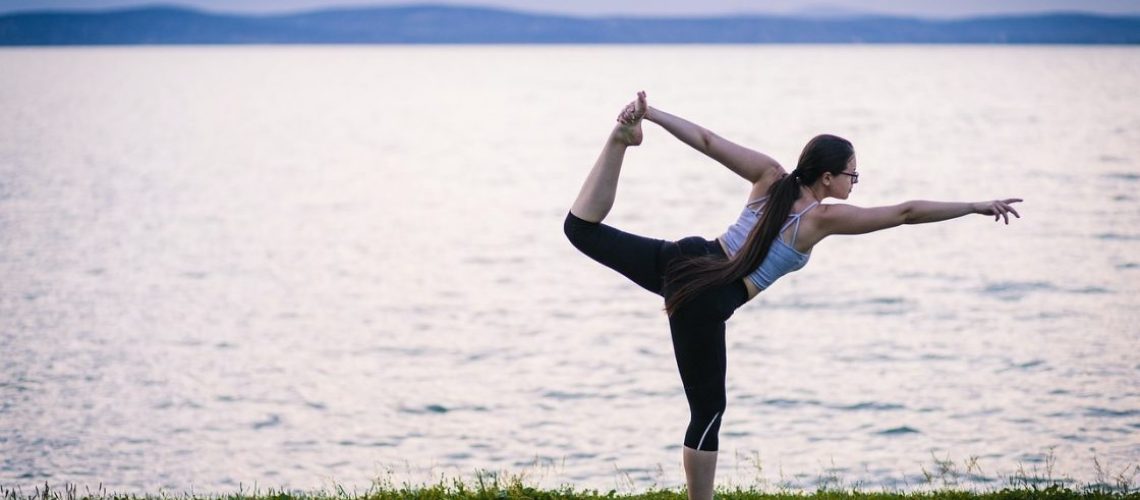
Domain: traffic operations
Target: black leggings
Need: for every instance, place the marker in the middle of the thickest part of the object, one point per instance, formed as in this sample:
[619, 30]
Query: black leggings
[697, 327]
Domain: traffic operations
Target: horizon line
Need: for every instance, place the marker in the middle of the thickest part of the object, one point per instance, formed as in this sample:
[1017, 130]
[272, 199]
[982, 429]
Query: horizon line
[841, 14]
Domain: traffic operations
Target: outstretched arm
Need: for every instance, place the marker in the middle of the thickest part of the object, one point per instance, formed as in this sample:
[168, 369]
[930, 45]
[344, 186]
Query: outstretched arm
[848, 219]
[751, 165]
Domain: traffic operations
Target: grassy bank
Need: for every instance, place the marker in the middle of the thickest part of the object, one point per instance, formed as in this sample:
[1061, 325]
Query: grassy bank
[945, 481]
[494, 489]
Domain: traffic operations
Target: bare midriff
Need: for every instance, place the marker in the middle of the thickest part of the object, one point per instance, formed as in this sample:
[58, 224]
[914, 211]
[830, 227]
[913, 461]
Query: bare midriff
[753, 290]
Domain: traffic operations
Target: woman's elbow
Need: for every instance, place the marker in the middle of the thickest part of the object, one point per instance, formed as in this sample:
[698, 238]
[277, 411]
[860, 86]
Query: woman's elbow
[705, 141]
[907, 214]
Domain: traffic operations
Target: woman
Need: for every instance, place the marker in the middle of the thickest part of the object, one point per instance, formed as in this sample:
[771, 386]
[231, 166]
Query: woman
[704, 281]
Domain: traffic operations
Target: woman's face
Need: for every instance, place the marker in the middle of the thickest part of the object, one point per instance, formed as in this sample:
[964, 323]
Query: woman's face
[840, 185]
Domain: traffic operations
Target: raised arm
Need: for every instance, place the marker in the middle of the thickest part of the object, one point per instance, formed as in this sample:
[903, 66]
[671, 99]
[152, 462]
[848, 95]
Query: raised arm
[848, 219]
[753, 166]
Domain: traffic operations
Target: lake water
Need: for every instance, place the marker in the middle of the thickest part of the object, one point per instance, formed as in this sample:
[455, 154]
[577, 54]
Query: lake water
[304, 266]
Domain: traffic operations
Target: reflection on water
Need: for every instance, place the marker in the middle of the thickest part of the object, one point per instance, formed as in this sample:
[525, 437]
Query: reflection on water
[300, 265]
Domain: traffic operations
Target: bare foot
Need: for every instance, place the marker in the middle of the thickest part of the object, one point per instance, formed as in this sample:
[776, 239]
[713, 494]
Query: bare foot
[628, 130]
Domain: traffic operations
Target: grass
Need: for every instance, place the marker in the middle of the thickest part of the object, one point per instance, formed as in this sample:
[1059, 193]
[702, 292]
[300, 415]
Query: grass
[944, 481]
[510, 490]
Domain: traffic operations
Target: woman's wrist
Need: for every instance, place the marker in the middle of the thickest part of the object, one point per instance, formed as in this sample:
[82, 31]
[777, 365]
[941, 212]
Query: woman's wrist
[650, 114]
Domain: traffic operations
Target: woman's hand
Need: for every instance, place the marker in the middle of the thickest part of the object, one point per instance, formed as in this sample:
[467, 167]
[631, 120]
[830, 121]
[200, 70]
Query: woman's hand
[998, 208]
[634, 111]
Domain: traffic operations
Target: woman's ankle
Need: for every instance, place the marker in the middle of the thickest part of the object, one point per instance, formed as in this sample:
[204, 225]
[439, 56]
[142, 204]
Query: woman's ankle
[627, 135]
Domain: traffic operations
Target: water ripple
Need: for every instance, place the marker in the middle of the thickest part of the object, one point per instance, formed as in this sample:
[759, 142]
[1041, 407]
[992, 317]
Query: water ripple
[569, 395]
[273, 420]
[1117, 237]
[1119, 176]
[1108, 412]
[1024, 366]
[1013, 290]
[790, 403]
[1016, 290]
[438, 409]
[870, 405]
[898, 431]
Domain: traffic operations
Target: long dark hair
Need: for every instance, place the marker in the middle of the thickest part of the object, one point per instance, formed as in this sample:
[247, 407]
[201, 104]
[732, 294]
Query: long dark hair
[695, 274]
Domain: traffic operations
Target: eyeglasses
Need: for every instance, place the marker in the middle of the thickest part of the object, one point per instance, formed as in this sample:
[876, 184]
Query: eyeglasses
[854, 176]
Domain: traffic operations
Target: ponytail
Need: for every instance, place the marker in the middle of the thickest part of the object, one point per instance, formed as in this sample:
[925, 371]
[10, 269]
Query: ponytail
[695, 274]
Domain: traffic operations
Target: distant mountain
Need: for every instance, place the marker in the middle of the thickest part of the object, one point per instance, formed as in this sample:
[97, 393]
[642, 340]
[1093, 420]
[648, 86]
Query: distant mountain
[824, 11]
[436, 25]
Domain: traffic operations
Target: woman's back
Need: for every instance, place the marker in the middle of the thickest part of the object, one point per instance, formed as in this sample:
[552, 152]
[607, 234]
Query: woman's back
[809, 233]
[786, 253]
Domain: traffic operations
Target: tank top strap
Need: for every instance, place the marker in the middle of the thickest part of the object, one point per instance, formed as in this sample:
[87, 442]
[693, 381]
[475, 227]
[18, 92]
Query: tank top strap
[797, 218]
[757, 200]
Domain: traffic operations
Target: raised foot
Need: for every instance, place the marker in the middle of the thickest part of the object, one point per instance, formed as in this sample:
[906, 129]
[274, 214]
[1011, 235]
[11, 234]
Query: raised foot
[628, 130]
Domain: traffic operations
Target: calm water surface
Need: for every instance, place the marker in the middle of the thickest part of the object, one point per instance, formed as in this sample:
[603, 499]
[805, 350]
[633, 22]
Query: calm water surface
[300, 266]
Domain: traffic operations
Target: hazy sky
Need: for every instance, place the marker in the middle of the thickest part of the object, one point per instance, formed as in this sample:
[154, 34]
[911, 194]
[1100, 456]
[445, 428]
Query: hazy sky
[928, 8]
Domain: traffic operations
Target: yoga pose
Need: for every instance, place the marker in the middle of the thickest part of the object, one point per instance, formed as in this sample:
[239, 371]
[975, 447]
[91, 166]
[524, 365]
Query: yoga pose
[704, 281]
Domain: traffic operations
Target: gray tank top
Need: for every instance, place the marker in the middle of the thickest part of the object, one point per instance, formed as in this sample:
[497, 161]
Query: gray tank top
[782, 258]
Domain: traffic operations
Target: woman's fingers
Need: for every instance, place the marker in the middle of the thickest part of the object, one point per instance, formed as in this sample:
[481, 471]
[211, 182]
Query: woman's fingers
[627, 114]
[1014, 211]
[999, 212]
[1001, 209]
[634, 111]
[1008, 207]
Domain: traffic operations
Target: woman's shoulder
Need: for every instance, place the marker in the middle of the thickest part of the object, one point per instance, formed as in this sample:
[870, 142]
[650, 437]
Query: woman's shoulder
[842, 218]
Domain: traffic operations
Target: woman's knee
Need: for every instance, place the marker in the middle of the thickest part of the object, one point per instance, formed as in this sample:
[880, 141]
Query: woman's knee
[706, 409]
[703, 432]
[576, 229]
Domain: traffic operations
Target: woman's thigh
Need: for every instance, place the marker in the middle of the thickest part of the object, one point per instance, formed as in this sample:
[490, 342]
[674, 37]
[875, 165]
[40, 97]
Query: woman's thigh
[635, 257]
